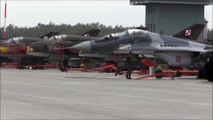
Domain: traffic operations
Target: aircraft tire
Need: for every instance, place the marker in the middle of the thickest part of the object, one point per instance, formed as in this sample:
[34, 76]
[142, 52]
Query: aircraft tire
[20, 67]
[159, 72]
[209, 69]
[201, 74]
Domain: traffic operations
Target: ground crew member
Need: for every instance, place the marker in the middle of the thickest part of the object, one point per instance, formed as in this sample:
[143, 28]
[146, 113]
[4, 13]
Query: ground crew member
[129, 65]
[82, 64]
[65, 64]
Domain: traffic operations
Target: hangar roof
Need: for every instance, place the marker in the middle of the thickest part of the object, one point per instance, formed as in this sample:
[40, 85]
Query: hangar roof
[190, 2]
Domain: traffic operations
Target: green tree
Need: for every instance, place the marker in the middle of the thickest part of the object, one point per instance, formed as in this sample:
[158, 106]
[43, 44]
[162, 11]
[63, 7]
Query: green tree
[41, 29]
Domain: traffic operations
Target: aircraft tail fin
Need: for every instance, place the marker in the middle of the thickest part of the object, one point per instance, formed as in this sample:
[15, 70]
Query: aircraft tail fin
[50, 34]
[141, 27]
[191, 32]
[92, 33]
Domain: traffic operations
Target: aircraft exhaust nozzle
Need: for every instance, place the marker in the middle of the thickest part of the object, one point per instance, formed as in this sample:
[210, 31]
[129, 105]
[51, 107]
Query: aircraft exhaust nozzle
[83, 47]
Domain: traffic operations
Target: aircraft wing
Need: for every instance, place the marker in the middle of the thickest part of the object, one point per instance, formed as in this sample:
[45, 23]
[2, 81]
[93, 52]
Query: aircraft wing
[137, 52]
[39, 54]
[7, 55]
[72, 50]
[13, 56]
[182, 49]
[50, 34]
[111, 54]
[93, 55]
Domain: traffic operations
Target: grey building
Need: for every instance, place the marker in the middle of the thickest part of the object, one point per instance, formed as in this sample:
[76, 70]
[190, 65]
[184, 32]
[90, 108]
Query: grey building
[171, 16]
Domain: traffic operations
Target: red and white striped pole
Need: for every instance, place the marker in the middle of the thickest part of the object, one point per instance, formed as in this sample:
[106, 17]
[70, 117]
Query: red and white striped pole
[5, 16]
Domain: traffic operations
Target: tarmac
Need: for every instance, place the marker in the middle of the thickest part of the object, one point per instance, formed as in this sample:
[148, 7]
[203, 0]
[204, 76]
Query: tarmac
[51, 94]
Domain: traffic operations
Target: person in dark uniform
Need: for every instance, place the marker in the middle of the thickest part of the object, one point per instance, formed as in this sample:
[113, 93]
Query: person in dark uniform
[129, 65]
[65, 64]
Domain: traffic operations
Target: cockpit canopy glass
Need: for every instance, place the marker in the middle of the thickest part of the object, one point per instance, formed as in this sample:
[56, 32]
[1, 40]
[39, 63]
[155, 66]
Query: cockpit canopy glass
[134, 32]
[57, 37]
[130, 32]
[115, 35]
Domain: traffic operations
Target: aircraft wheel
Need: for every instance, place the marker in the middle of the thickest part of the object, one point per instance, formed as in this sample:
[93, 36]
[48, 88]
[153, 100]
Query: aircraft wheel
[62, 69]
[160, 72]
[20, 67]
[201, 74]
[209, 70]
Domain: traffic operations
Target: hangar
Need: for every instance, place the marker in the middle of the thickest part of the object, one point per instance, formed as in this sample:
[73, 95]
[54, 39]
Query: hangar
[170, 16]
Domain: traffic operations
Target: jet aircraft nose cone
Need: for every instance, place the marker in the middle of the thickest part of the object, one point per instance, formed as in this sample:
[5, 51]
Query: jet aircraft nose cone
[83, 47]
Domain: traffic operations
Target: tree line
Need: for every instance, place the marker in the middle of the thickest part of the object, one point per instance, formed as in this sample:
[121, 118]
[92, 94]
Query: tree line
[78, 29]
[41, 29]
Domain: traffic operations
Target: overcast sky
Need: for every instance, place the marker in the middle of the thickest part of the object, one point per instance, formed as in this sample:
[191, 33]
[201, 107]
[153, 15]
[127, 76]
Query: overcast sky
[119, 12]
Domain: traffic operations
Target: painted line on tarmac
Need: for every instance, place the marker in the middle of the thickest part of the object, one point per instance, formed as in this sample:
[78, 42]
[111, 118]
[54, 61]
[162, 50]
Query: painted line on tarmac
[74, 102]
[121, 95]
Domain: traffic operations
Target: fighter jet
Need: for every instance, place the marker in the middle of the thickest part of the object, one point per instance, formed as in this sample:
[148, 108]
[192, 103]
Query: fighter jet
[8, 46]
[16, 48]
[190, 33]
[50, 47]
[174, 51]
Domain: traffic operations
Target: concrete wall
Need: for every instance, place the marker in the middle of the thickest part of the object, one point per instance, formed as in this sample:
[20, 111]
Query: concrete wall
[194, 2]
[171, 18]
